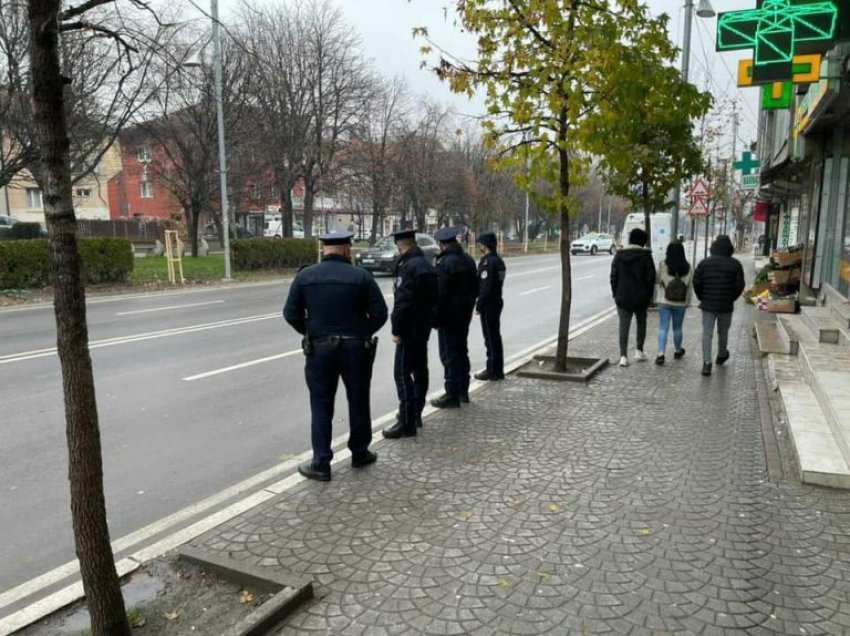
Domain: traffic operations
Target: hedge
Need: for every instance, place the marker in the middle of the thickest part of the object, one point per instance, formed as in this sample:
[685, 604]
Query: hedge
[268, 253]
[26, 264]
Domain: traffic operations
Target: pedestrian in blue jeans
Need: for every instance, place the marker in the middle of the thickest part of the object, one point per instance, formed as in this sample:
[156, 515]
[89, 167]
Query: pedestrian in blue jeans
[675, 289]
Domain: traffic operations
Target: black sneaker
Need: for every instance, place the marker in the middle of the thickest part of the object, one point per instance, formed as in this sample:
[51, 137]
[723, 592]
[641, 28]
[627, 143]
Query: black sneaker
[659, 359]
[310, 472]
[706, 369]
[446, 401]
[721, 360]
[368, 457]
[679, 354]
[397, 430]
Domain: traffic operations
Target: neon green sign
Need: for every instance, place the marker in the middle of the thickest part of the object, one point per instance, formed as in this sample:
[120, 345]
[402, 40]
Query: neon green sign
[777, 30]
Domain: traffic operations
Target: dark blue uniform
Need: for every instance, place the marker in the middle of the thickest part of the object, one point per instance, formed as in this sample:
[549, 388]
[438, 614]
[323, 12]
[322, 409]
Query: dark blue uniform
[338, 307]
[415, 291]
[458, 290]
[491, 278]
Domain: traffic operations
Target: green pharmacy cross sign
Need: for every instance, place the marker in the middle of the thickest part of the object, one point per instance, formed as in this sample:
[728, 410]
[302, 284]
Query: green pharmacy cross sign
[747, 164]
[777, 30]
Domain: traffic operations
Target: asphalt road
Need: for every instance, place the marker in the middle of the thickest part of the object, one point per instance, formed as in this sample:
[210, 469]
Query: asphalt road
[181, 417]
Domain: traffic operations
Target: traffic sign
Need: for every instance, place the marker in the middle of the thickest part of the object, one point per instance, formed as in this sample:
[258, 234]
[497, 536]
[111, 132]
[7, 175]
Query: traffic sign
[700, 189]
[699, 208]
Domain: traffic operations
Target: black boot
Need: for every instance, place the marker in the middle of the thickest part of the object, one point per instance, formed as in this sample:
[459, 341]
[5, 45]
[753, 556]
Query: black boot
[446, 401]
[706, 369]
[397, 430]
[364, 459]
[483, 376]
[310, 472]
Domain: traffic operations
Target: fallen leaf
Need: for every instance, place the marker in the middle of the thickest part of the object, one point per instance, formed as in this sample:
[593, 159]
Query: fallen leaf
[504, 583]
[543, 576]
[514, 503]
[172, 616]
[467, 515]
[644, 532]
[246, 597]
[553, 507]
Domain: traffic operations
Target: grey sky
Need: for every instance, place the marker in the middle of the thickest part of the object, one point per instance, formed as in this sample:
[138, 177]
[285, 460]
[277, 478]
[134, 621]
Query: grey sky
[385, 28]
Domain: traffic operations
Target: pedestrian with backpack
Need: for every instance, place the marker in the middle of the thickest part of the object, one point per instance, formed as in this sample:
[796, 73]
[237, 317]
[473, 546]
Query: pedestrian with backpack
[675, 289]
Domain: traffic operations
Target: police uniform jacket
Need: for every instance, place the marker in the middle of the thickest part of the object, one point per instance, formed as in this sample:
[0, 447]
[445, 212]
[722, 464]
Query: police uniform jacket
[491, 278]
[457, 278]
[334, 297]
[415, 290]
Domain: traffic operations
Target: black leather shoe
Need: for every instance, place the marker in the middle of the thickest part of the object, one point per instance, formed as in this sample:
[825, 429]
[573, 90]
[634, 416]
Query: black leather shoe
[464, 398]
[721, 360]
[310, 472]
[706, 369]
[446, 401]
[678, 355]
[397, 430]
[483, 376]
[365, 459]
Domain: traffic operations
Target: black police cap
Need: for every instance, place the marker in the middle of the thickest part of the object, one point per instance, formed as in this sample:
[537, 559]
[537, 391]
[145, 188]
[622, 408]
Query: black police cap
[446, 235]
[337, 238]
[404, 234]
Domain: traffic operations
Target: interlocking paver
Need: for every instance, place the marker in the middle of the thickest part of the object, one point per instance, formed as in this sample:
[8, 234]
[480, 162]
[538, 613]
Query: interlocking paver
[638, 504]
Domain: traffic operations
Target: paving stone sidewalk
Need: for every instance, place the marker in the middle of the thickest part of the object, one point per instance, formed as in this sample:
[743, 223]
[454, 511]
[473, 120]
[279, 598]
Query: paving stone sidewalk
[638, 504]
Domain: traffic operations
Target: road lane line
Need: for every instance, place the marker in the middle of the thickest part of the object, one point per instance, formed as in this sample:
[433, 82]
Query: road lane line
[152, 335]
[534, 291]
[47, 605]
[242, 365]
[584, 278]
[154, 309]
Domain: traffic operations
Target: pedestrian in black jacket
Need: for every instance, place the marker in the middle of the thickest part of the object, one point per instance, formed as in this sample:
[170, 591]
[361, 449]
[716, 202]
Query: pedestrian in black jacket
[718, 282]
[415, 291]
[633, 285]
[491, 278]
[337, 308]
[457, 281]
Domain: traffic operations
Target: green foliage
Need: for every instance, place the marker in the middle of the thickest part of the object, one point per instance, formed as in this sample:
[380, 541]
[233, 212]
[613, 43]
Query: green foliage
[253, 254]
[106, 260]
[26, 264]
[25, 231]
[644, 132]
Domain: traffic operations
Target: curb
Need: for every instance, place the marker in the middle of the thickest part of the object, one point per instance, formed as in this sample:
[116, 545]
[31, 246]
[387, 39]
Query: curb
[251, 499]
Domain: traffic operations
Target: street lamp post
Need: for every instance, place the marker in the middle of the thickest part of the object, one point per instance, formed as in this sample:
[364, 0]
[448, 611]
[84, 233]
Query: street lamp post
[222, 156]
[704, 10]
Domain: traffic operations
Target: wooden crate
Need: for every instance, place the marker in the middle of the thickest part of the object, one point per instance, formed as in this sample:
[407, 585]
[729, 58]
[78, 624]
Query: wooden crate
[782, 305]
[785, 276]
[784, 258]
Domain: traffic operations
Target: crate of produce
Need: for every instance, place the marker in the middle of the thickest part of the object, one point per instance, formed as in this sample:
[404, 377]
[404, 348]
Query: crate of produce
[785, 276]
[788, 258]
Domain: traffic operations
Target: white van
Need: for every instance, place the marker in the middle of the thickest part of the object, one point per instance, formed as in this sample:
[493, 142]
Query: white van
[273, 227]
[661, 225]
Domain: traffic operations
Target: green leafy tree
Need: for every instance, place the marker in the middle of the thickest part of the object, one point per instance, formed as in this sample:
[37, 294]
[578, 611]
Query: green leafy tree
[543, 67]
[644, 131]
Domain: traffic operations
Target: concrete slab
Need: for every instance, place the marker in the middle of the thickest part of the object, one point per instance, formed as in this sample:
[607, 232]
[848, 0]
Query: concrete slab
[838, 305]
[769, 338]
[793, 330]
[820, 323]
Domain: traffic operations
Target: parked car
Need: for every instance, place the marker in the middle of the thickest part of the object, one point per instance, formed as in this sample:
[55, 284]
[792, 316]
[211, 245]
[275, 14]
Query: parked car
[382, 257]
[211, 232]
[7, 221]
[593, 244]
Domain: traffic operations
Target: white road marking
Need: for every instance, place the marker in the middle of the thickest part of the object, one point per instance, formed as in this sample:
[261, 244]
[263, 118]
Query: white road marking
[243, 365]
[154, 309]
[534, 291]
[584, 278]
[69, 594]
[153, 335]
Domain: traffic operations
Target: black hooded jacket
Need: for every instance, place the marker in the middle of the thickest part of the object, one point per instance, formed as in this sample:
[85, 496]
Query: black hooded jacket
[719, 279]
[633, 277]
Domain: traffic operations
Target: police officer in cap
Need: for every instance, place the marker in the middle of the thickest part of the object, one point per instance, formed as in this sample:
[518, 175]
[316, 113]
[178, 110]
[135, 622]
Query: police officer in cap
[338, 308]
[491, 278]
[415, 291]
[458, 290]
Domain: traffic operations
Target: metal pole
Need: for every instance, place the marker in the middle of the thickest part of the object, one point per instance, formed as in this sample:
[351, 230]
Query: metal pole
[222, 156]
[528, 175]
[599, 220]
[686, 60]
[695, 220]
[608, 228]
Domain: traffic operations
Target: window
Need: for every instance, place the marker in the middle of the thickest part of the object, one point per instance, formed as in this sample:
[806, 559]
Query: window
[34, 198]
[143, 154]
[83, 193]
[146, 189]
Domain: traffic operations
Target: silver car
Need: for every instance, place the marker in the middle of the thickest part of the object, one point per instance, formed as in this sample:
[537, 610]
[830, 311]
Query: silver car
[593, 244]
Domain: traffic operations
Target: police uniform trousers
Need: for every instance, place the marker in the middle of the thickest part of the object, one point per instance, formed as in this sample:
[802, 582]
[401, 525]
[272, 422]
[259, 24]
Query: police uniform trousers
[454, 355]
[351, 360]
[411, 380]
[491, 327]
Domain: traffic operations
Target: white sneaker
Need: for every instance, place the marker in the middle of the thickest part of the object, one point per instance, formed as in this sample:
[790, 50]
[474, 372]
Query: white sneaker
[640, 356]
[624, 361]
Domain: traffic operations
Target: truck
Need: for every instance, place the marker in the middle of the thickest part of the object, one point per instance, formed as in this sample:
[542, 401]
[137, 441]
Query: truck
[661, 225]
[273, 227]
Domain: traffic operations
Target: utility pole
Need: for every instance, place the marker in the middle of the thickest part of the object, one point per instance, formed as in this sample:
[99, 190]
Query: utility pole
[609, 215]
[222, 153]
[730, 184]
[599, 219]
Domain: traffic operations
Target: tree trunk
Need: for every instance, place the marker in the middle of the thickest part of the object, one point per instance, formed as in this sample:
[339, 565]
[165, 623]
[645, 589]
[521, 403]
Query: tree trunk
[194, 220]
[309, 198]
[85, 464]
[377, 219]
[566, 263]
[286, 211]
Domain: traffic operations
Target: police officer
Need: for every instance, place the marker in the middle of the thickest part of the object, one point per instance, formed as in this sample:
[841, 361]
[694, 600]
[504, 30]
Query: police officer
[338, 308]
[491, 278]
[458, 290]
[415, 290]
